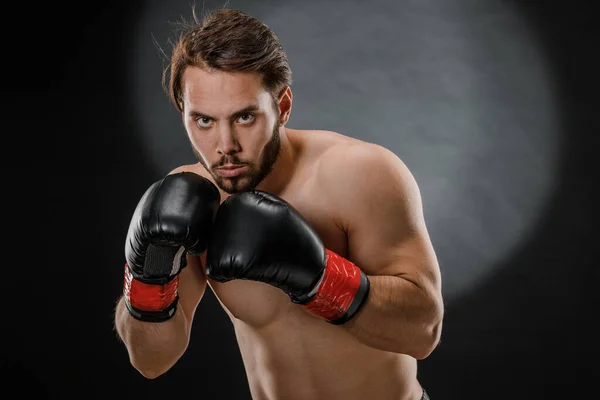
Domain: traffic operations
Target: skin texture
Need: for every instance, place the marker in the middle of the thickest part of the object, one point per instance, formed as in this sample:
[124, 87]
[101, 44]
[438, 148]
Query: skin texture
[365, 205]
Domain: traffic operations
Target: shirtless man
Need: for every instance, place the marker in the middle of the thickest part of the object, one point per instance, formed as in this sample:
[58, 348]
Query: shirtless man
[314, 242]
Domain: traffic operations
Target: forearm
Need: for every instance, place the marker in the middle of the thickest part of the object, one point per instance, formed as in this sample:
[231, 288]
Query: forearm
[398, 316]
[153, 347]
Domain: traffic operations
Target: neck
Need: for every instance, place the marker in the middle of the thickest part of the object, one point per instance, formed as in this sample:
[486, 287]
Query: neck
[284, 166]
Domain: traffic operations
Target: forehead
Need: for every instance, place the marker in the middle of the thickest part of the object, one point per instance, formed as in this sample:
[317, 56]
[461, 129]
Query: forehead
[210, 89]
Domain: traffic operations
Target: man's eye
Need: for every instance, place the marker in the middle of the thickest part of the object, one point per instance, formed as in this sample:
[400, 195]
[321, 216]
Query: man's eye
[203, 122]
[245, 118]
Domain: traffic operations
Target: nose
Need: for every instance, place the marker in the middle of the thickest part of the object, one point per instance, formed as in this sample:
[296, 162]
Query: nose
[228, 143]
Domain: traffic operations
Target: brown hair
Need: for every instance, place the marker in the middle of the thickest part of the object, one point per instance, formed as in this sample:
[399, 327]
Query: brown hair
[227, 40]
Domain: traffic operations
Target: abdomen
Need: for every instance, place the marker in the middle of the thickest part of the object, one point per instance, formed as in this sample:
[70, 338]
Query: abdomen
[300, 356]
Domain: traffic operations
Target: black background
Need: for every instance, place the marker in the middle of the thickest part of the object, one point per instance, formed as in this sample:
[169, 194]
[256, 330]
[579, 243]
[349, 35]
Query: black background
[73, 173]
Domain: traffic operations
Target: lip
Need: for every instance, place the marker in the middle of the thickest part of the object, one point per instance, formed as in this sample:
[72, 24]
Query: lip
[230, 171]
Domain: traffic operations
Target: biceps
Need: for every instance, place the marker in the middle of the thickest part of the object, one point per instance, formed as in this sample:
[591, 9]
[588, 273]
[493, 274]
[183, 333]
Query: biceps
[192, 285]
[410, 256]
[416, 260]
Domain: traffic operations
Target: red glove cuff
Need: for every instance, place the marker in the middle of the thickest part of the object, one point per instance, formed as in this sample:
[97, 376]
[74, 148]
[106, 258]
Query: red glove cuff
[147, 297]
[342, 291]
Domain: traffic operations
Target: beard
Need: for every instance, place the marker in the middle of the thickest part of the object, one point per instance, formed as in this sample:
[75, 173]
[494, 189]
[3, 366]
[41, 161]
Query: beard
[255, 172]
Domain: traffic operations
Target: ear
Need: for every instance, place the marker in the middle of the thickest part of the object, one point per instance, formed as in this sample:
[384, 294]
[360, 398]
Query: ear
[285, 105]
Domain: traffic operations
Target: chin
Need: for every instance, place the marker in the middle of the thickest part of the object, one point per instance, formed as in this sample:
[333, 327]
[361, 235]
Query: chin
[232, 186]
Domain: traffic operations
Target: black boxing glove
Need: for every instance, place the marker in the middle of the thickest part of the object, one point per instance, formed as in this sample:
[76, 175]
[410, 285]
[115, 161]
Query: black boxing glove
[260, 237]
[174, 216]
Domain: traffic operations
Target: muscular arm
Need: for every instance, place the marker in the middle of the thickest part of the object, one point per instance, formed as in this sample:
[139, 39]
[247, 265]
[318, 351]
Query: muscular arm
[379, 206]
[155, 347]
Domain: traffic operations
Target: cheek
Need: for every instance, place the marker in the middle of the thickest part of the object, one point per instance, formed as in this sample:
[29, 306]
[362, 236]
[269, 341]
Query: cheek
[196, 138]
[205, 149]
[258, 139]
[200, 143]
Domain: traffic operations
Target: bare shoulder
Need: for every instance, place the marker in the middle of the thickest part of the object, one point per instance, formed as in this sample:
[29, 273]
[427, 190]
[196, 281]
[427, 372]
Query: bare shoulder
[373, 197]
[363, 165]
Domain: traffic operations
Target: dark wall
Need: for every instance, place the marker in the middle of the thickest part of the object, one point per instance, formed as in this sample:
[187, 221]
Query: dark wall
[73, 172]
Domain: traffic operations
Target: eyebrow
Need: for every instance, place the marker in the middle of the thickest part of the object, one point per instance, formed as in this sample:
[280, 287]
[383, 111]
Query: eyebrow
[245, 110]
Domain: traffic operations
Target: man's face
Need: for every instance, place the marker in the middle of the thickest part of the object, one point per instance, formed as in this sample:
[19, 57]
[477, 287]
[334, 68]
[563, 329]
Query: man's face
[232, 123]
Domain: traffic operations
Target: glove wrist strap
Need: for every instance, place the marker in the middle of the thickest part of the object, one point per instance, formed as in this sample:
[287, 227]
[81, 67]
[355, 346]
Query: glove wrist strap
[150, 302]
[342, 291]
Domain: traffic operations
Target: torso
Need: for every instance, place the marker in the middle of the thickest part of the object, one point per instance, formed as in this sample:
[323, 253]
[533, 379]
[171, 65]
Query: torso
[288, 353]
